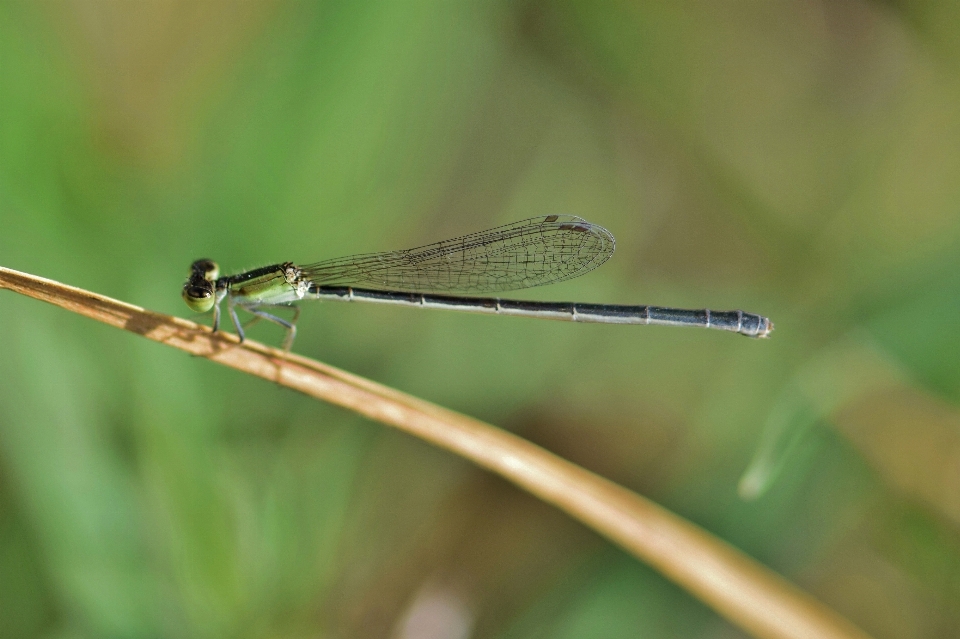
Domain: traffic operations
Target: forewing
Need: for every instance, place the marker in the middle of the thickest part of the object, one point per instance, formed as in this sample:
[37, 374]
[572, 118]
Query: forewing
[541, 250]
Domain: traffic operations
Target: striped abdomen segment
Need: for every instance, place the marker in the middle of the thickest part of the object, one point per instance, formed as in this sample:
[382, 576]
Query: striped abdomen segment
[747, 324]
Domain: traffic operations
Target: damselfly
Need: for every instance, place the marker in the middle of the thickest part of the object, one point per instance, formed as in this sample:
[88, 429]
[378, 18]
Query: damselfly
[534, 252]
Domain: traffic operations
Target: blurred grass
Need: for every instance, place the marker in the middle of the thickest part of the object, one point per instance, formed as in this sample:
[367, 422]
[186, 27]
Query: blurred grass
[797, 160]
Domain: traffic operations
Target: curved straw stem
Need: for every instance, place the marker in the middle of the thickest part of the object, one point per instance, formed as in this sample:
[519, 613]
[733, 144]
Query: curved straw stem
[735, 585]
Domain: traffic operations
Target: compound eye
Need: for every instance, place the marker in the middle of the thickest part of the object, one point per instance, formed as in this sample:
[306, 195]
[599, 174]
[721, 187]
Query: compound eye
[198, 295]
[205, 269]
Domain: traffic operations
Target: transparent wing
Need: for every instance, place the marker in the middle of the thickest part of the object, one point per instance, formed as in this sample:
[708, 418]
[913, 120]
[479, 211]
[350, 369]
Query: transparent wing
[533, 252]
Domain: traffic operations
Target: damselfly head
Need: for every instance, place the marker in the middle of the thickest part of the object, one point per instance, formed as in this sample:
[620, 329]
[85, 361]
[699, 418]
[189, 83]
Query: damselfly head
[199, 292]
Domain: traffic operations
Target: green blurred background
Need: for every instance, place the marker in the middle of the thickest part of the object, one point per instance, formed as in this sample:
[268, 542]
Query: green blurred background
[795, 159]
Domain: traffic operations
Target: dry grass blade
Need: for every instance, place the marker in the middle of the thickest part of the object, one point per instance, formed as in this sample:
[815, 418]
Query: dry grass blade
[739, 588]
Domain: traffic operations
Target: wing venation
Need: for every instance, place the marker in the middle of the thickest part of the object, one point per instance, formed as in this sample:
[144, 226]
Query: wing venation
[533, 252]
